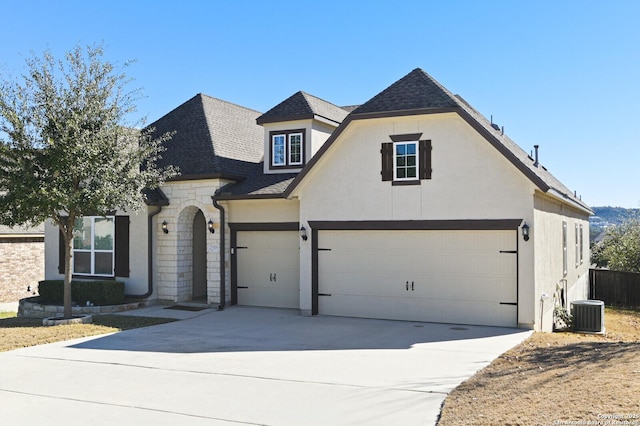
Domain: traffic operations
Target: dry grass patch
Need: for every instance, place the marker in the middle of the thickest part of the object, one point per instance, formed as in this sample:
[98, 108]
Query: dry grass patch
[553, 378]
[18, 333]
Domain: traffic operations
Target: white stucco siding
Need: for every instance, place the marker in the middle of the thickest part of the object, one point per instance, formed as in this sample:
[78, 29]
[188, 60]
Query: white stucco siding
[137, 281]
[262, 211]
[470, 180]
[546, 232]
[51, 245]
[320, 132]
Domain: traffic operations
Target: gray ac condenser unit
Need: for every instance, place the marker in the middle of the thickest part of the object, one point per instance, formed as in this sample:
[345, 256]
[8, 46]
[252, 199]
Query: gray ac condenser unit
[588, 316]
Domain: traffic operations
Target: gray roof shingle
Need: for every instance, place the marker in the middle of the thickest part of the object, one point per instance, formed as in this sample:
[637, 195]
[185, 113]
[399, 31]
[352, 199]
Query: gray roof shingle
[7, 231]
[300, 106]
[418, 92]
[213, 137]
[258, 184]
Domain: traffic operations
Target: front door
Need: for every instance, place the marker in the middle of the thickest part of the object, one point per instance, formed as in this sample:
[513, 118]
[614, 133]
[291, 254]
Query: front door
[199, 257]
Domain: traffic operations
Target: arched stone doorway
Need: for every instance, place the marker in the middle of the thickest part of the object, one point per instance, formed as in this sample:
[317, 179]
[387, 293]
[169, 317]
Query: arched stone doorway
[199, 247]
[191, 259]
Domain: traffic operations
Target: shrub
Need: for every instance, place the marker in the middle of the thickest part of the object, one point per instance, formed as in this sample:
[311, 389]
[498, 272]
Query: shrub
[562, 319]
[105, 292]
[51, 291]
[112, 292]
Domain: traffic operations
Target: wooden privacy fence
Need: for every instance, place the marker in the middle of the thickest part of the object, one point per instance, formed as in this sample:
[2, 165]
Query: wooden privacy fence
[615, 288]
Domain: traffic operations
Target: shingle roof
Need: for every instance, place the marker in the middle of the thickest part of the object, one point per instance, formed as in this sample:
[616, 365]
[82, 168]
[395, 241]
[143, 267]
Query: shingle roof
[7, 231]
[258, 184]
[155, 197]
[523, 157]
[300, 106]
[418, 92]
[213, 137]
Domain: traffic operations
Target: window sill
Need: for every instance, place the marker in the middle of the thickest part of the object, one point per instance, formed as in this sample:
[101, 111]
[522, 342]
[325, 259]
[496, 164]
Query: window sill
[286, 167]
[93, 277]
[405, 182]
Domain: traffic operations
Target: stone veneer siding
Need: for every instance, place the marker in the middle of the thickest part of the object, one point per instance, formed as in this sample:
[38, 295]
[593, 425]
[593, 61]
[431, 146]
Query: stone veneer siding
[174, 257]
[30, 308]
[22, 267]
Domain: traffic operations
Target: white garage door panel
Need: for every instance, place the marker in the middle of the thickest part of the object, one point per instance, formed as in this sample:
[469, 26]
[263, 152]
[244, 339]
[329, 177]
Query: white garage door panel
[452, 276]
[268, 268]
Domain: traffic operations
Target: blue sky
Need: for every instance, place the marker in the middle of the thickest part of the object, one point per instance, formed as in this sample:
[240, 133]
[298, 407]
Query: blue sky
[561, 74]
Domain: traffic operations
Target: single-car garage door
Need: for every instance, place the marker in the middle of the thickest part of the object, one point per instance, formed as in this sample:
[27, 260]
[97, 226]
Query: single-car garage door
[268, 268]
[460, 277]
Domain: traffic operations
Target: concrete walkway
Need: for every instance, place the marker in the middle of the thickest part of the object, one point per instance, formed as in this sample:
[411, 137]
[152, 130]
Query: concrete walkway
[9, 307]
[248, 366]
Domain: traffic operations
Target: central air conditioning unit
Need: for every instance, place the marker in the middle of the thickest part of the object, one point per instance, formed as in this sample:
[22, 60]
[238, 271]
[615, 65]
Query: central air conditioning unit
[588, 316]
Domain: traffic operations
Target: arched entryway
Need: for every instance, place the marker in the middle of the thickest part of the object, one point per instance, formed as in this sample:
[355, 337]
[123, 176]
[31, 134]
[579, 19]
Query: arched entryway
[199, 281]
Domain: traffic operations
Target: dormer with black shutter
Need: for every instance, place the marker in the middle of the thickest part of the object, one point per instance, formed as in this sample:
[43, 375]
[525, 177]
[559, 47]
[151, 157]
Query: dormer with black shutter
[295, 129]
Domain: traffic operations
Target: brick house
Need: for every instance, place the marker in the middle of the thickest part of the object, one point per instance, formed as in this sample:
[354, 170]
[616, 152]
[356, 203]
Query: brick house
[22, 257]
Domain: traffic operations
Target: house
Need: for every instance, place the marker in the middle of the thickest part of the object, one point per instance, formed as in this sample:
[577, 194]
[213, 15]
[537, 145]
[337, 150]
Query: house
[411, 206]
[22, 254]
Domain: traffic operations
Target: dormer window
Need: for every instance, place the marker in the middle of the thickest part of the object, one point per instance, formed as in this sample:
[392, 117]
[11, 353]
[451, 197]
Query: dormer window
[287, 149]
[279, 143]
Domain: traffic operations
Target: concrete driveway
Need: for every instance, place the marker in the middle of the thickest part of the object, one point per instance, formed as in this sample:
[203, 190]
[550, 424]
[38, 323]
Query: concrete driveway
[248, 366]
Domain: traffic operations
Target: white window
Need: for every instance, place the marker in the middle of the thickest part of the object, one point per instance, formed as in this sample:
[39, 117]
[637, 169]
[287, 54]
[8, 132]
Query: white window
[93, 246]
[405, 161]
[287, 149]
[564, 248]
[278, 156]
[577, 246]
[581, 244]
[295, 148]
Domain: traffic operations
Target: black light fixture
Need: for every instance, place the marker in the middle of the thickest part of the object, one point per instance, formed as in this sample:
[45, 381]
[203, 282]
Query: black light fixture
[165, 228]
[210, 226]
[303, 233]
[525, 231]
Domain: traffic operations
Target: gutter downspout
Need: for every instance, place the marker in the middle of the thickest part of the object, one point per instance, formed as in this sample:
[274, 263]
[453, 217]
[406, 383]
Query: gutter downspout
[149, 257]
[223, 275]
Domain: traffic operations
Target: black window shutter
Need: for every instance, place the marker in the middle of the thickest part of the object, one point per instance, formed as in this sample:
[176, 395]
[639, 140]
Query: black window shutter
[122, 246]
[425, 159]
[387, 161]
[61, 257]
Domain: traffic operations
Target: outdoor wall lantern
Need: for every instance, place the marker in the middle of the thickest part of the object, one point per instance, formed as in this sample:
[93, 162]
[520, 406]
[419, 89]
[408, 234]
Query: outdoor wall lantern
[210, 226]
[165, 228]
[525, 231]
[303, 233]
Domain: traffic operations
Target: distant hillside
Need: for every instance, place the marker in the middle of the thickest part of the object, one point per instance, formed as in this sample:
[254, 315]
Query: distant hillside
[614, 215]
[608, 216]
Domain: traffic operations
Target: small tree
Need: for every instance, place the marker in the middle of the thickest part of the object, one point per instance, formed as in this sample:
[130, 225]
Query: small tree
[620, 248]
[66, 148]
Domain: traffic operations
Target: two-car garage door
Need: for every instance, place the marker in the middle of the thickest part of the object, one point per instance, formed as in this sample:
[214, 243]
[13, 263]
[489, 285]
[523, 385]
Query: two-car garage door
[463, 277]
